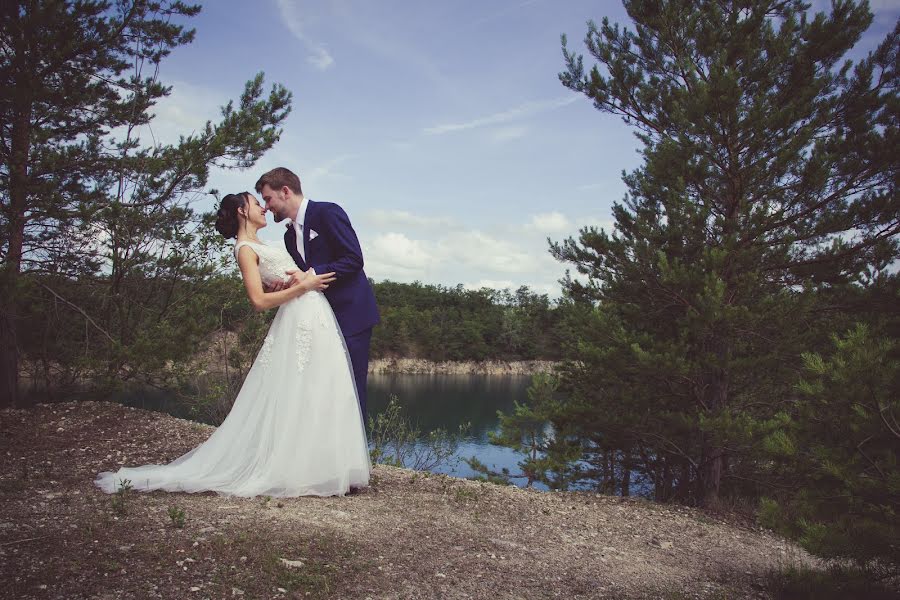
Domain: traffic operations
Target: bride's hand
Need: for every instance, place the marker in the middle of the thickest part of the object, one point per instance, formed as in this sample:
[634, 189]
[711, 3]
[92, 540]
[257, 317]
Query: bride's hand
[295, 277]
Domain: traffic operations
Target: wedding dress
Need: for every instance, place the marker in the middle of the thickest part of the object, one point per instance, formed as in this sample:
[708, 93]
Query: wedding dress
[295, 428]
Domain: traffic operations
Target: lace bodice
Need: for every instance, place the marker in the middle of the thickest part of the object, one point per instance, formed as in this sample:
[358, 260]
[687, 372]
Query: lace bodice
[274, 262]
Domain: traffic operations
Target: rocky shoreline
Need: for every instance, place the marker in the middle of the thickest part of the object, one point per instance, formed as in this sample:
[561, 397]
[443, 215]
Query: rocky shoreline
[214, 356]
[449, 367]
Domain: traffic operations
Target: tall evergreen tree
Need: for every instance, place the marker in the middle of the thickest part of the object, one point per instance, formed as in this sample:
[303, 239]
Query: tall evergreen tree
[839, 449]
[770, 172]
[82, 195]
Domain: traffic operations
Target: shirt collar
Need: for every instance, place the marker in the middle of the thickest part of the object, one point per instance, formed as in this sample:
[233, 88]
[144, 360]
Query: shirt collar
[298, 220]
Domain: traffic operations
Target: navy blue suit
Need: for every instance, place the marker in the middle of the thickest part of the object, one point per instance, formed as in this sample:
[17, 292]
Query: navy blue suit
[336, 249]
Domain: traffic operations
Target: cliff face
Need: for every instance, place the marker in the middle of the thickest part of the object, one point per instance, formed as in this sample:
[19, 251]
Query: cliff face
[213, 357]
[487, 367]
[409, 535]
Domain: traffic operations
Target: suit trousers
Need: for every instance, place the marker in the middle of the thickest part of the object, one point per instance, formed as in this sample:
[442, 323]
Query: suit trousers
[358, 348]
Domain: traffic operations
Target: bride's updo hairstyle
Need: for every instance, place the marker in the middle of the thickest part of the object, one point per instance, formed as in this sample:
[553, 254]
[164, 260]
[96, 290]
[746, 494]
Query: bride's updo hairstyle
[227, 216]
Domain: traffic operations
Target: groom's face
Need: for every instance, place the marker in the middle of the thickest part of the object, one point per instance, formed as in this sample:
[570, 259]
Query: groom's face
[276, 202]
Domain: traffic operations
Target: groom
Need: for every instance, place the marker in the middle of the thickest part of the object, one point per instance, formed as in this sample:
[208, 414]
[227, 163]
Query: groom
[320, 237]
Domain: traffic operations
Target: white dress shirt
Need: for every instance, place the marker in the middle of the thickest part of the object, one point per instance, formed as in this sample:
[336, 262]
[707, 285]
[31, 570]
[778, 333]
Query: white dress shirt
[298, 225]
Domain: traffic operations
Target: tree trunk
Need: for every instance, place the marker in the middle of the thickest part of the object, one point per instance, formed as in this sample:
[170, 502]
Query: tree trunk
[20, 147]
[712, 457]
[9, 361]
[664, 489]
[684, 482]
[18, 194]
[626, 473]
[711, 475]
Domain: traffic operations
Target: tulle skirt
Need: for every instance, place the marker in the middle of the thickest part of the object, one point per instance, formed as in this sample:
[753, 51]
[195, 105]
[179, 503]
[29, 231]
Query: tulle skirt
[295, 428]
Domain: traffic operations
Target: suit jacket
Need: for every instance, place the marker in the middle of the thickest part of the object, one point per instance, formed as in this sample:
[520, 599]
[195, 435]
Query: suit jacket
[336, 248]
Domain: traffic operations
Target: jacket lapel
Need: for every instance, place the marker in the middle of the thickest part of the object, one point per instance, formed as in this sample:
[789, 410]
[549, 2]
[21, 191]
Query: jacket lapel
[290, 242]
[307, 227]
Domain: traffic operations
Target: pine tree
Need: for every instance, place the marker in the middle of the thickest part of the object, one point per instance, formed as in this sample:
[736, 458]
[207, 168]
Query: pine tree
[82, 195]
[548, 455]
[769, 175]
[839, 451]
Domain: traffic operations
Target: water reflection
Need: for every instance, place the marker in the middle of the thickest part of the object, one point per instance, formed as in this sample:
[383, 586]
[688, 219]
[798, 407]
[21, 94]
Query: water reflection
[447, 401]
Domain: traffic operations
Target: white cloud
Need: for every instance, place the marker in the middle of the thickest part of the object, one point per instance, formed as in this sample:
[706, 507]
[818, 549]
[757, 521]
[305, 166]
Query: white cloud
[319, 58]
[401, 218]
[606, 224]
[552, 290]
[490, 283]
[506, 134]
[552, 222]
[404, 246]
[326, 170]
[456, 256]
[183, 112]
[481, 251]
[518, 112]
[318, 55]
[365, 24]
[393, 250]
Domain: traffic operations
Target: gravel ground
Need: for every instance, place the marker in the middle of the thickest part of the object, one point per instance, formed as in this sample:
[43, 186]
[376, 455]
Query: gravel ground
[409, 535]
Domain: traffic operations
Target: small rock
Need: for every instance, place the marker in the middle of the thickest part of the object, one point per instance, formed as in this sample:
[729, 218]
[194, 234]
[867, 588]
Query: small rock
[292, 563]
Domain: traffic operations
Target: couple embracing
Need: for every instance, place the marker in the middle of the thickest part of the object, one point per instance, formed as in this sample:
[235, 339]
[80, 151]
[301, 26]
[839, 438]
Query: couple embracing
[297, 426]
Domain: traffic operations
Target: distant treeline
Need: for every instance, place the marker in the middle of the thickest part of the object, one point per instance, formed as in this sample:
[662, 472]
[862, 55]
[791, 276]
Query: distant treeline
[438, 322]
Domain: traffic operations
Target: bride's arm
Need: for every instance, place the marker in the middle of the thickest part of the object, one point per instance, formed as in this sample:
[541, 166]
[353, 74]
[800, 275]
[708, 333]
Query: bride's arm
[262, 300]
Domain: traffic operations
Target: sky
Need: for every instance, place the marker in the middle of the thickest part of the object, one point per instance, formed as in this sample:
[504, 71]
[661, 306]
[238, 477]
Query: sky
[440, 127]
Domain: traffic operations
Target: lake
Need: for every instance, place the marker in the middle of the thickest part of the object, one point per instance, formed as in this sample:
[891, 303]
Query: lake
[448, 401]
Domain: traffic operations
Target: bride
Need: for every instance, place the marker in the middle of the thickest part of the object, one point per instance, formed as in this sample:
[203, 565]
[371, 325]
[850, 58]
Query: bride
[295, 428]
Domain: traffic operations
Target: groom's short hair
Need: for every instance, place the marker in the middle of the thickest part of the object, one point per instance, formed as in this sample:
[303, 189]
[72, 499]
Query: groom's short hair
[278, 178]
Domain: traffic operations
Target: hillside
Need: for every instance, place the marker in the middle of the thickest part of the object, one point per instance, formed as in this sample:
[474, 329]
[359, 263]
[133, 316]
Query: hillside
[410, 535]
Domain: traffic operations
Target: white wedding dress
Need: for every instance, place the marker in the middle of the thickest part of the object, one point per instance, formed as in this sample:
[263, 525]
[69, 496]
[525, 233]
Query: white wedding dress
[295, 428]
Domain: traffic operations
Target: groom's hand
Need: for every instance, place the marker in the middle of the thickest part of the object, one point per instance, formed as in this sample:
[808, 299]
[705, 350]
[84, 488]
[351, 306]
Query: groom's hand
[318, 282]
[296, 276]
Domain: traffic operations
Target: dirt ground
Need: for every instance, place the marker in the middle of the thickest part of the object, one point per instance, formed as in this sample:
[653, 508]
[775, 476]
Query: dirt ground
[409, 535]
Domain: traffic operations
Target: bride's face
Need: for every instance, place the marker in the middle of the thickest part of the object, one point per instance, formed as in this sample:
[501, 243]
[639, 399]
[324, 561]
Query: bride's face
[256, 214]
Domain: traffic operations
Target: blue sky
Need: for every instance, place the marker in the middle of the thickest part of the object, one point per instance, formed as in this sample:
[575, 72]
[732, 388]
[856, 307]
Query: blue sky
[441, 127]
